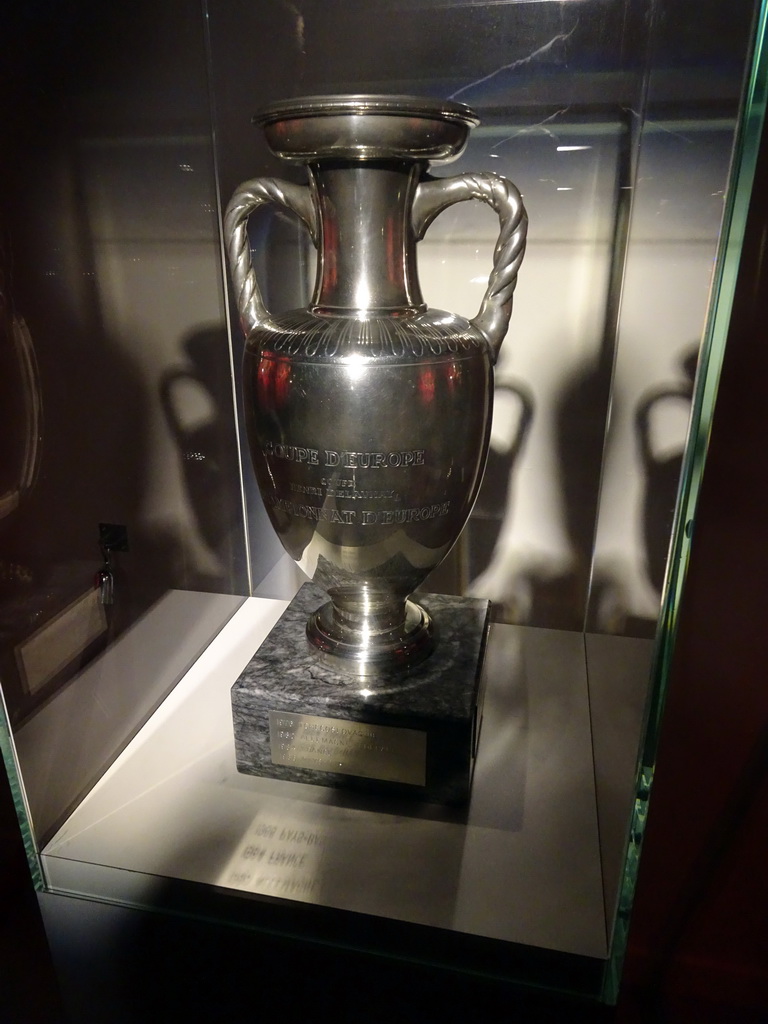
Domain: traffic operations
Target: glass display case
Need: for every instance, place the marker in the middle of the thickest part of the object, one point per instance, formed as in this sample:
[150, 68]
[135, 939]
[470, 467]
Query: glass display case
[139, 571]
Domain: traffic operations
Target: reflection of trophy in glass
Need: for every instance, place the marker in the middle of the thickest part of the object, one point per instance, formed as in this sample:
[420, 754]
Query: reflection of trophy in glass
[22, 410]
[368, 414]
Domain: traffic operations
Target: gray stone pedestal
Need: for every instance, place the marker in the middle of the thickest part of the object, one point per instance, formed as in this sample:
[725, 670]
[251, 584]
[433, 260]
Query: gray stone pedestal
[299, 719]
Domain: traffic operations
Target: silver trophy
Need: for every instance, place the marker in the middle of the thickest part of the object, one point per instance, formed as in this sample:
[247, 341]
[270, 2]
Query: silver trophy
[368, 414]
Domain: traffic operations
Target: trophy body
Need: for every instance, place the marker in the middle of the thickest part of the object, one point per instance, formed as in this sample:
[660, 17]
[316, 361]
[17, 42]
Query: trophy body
[369, 463]
[368, 415]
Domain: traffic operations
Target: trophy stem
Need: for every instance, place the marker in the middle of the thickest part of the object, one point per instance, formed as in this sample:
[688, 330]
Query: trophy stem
[371, 633]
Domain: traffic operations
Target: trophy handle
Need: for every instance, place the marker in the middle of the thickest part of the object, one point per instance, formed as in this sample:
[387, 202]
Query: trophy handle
[247, 198]
[435, 195]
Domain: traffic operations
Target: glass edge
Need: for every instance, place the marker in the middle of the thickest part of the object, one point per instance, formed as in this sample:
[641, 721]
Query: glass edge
[225, 296]
[727, 264]
[10, 759]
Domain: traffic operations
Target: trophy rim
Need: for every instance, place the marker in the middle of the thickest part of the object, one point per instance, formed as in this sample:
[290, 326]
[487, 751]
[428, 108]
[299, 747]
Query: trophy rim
[365, 126]
[393, 105]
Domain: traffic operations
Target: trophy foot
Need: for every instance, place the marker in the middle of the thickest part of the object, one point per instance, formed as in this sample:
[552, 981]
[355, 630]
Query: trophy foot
[364, 649]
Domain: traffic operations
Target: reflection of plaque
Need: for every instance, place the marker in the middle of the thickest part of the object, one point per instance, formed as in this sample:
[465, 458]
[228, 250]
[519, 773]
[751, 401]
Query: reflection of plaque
[64, 637]
[297, 718]
[280, 854]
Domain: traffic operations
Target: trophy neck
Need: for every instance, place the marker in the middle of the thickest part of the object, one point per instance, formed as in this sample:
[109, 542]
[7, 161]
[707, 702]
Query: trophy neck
[366, 250]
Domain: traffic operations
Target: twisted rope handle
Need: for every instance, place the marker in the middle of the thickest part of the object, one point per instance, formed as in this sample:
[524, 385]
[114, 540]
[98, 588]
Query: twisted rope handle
[248, 198]
[432, 197]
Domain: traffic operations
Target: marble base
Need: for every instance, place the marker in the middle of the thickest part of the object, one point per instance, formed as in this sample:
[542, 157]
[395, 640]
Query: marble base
[299, 719]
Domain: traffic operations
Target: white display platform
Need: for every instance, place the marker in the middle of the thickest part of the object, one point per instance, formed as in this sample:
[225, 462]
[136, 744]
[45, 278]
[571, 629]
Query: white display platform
[64, 748]
[521, 864]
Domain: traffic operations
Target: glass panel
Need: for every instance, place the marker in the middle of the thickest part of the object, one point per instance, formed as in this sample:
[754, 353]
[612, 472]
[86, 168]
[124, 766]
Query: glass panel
[685, 132]
[750, 133]
[685, 145]
[122, 487]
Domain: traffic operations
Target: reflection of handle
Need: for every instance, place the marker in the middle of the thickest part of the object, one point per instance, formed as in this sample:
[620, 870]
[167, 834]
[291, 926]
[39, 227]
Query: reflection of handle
[33, 415]
[247, 198]
[432, 197]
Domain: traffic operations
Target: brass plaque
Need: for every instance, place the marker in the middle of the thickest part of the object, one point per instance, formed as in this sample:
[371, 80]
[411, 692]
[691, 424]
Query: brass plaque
[351, 748]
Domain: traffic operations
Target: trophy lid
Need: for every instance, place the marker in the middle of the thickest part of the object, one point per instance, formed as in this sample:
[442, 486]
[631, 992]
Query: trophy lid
[367, 127]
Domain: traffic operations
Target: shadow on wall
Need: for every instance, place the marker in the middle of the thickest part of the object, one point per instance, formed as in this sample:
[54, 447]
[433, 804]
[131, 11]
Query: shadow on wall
[628, 578]
[549, 587]
[197, 403]
[662, 463]
[545, 584]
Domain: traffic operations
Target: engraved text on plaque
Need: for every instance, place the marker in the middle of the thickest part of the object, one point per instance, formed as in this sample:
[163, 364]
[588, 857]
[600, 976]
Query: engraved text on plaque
[350, 748]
